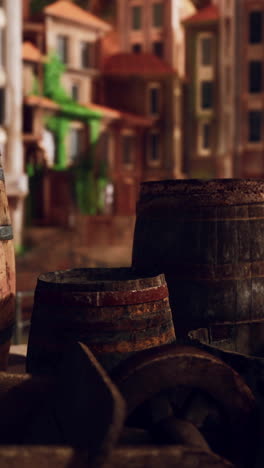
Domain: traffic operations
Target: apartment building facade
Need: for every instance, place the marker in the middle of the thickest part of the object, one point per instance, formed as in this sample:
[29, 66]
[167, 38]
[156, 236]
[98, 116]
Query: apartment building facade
[249, 87]
[202, 103]
[155, 27]
[232, 145]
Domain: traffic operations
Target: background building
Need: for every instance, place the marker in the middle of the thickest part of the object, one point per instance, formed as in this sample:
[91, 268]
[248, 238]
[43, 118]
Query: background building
[202, 96]
[11, 112]
[224, 54]
[155, 27]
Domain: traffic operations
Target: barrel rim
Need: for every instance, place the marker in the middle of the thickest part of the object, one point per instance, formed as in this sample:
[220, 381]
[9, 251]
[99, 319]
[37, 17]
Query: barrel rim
[105, 279]
[197, 181]
[208, 192]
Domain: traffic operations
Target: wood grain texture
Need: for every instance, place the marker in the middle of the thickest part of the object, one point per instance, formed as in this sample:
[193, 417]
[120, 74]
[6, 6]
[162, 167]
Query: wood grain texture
[208, 239]
[113, 311]
[7, 277]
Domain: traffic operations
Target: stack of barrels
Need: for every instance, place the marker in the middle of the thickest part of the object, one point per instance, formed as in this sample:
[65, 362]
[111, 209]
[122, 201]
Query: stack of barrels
[206, 237]
[198, 261]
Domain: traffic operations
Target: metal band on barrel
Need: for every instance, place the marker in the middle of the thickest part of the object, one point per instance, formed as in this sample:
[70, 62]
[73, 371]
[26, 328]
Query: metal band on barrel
[6, 232]
[6, 334]
[2, 176]
[103, 298]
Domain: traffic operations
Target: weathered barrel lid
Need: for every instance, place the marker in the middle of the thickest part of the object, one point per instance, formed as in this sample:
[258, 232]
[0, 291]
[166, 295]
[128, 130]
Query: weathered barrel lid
[205, 192]
[99, 279]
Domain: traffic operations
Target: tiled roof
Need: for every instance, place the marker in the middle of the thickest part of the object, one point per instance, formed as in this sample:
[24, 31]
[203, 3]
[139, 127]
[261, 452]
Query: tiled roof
[110, 44]
[133, 119]
[106, 111]
[30, 52]
[207, 14]
[70, 11]
[41, 101]
[127, 64]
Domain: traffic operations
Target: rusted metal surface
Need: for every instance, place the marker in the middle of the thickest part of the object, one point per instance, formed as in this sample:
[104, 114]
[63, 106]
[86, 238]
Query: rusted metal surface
[153, 370]
[243, 337]
[169, 457]
[251, 369]
[88, 407]
[180, 432]
[22, 401]
[158, 371]
[115, 312]
[6, 233]
[207, 237]
[41, 456]
[80, 408]
[142, 457]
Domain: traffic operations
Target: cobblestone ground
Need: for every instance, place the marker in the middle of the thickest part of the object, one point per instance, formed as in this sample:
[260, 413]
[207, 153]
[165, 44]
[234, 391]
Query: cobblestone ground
[50, 249]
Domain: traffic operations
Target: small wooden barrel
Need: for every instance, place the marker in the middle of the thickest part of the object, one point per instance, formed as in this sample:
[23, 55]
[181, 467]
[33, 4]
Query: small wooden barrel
[113, 311]
[208, 239]
[7, 277]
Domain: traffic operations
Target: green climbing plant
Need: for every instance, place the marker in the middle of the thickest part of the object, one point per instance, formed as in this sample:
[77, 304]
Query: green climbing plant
[88, 186]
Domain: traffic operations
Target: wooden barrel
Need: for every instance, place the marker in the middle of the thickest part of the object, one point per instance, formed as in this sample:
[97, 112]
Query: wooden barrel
[113, 311]
[7, 277]
[208, 239]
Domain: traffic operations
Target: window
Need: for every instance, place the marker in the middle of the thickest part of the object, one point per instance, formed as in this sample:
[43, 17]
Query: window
[28, 115]
[154, 147]
[2, 106]
[128, 146]
[76, 144]
[255, 77]
[157, 12]
[254, 124]
[206, 50]
[227, 35]
[103, 147]
[154, 100]
[136, 48]
[1, 47]
[62, 48]
[206, 94]
[206, 136]
[228, 80]
[255, 27]
[75, 92]
[158, 48]
[86, 54]
[136, 17]
[204, 139]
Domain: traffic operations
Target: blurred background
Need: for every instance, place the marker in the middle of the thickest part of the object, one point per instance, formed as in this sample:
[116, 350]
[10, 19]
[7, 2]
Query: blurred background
[97, 96]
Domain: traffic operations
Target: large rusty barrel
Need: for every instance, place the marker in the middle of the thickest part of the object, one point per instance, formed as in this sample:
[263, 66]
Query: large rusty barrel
[208, 239]
[113, 311]
[7, 276]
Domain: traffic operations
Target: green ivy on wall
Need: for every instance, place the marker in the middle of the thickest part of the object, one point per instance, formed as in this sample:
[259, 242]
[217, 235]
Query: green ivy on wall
[88, 190]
